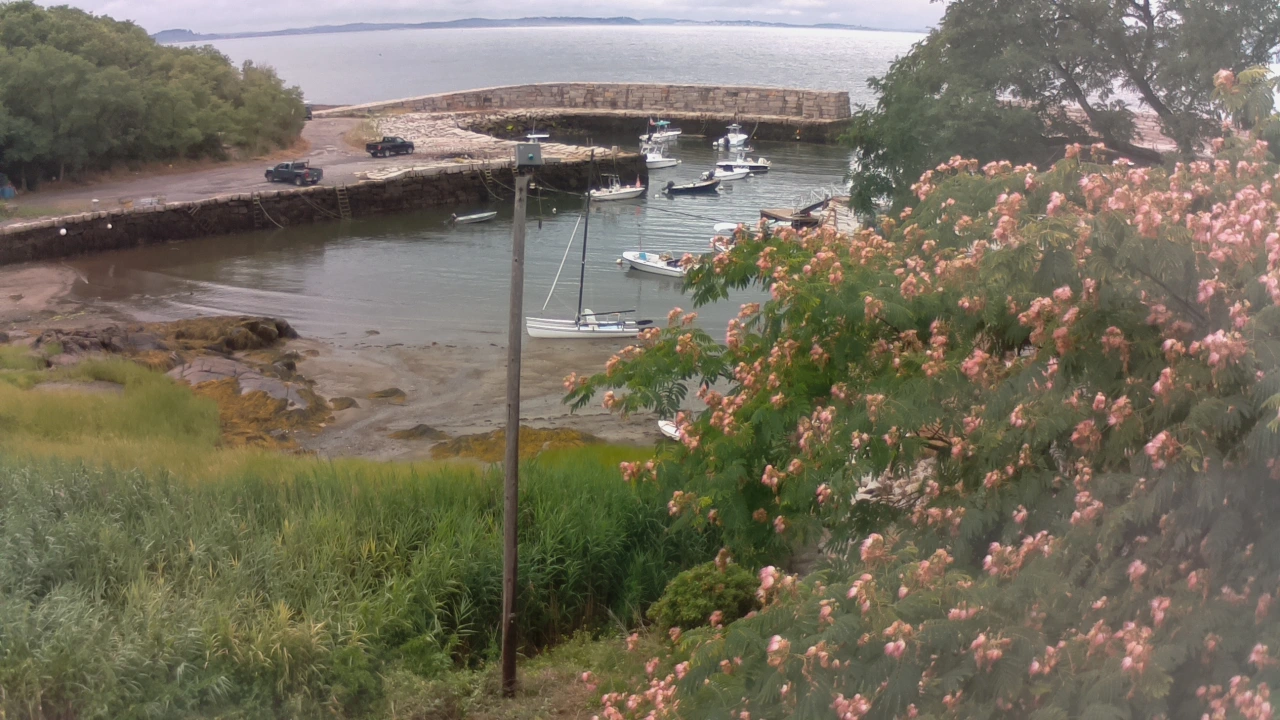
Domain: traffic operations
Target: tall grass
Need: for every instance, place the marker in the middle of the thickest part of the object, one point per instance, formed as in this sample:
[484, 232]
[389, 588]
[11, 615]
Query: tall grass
[292, 588]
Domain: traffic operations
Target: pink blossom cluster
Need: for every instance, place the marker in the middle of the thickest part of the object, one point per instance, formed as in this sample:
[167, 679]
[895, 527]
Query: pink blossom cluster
[1006, 561]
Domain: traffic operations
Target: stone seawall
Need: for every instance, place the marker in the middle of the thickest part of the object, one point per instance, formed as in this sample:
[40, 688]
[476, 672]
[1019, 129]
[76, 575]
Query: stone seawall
[655, 98]
[463, 186]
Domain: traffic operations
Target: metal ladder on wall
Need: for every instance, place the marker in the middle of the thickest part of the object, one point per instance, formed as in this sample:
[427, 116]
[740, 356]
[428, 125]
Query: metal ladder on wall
[344, 202]
[205, 226]
[259, 215]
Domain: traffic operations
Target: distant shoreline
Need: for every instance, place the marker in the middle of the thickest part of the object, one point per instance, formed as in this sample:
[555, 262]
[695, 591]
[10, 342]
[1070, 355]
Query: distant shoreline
[182, 36]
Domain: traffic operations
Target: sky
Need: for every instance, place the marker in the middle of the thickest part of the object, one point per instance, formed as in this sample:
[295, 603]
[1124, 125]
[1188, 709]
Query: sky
[204, 16]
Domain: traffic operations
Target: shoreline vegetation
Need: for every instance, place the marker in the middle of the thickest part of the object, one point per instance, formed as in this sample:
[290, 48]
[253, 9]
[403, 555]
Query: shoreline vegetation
[112, 96]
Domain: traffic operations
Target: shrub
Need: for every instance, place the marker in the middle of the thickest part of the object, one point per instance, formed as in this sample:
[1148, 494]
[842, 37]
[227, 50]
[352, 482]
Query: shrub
[1050, 396]
[692, 596]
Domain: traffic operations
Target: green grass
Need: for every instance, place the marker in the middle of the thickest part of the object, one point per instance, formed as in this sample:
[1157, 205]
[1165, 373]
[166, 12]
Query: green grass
[146, 572]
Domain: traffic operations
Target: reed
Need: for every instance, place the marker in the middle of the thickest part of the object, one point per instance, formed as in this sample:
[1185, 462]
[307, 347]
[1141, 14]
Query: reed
[295, 585]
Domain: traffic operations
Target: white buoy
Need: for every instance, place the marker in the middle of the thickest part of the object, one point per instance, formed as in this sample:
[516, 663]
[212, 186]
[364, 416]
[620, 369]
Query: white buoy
[63, 231]
[108, 226]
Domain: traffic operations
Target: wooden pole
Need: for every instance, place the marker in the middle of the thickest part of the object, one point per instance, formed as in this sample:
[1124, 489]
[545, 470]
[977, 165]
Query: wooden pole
[511, 492]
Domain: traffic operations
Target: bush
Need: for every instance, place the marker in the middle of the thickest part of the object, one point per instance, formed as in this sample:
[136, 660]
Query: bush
[693, 595]
[1037, 415]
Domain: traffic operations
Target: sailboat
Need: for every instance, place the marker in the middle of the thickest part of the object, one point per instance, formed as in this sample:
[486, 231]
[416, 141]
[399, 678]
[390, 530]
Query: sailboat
[587, 324]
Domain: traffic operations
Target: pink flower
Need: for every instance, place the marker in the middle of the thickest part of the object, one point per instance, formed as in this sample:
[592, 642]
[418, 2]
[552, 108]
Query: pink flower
[1137, 569]
[895, 649]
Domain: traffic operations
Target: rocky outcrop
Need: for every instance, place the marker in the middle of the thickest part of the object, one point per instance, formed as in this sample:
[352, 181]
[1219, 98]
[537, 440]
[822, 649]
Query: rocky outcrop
[249, 379]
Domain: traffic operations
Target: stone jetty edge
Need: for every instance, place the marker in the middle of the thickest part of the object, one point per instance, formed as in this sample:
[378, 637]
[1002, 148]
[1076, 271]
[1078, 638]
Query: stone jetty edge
[461, 185]
[828, 105]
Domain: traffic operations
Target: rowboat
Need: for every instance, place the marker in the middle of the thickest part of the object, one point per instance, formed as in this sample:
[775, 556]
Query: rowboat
[664, 264]
[474, 218]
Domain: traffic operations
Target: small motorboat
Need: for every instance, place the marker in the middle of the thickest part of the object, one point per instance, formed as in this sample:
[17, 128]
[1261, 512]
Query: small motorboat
[656, 159]
[726, 228]
[618, 191]
[706, 184]
[737, 172]
[757, 166]
[665, 264]
[661, 131]
[733, 138]
[587, 325]
[668, 428]
[473, 218]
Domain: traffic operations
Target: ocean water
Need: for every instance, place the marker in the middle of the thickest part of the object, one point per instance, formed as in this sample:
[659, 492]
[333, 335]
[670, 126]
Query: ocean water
[350, 68]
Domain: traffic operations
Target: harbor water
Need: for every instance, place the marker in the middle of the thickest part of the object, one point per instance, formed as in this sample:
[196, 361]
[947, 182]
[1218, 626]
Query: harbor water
[415, 279]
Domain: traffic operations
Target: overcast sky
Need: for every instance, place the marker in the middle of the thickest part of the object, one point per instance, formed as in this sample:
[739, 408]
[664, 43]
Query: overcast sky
[246, 15]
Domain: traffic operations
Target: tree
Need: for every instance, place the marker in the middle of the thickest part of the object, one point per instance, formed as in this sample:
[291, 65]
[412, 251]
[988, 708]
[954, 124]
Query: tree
[84, 92]
[1036, 416]
[1020, 79]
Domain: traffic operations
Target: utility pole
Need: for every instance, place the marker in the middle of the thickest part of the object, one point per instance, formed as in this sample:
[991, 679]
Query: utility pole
[511, 489]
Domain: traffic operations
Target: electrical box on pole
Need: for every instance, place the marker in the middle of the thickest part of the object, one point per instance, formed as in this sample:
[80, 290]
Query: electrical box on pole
[528, 155]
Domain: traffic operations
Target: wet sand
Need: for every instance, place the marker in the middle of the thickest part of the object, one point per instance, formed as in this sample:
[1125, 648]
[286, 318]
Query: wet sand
[457, 388]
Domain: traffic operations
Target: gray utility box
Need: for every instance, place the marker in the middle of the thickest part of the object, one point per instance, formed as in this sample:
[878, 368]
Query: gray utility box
[528, 155]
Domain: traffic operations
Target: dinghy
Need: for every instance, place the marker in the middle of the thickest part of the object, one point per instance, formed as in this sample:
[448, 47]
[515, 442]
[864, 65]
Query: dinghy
[617, 191]
[473, 218]
[705, 185]
[665, 264]
[587, 325]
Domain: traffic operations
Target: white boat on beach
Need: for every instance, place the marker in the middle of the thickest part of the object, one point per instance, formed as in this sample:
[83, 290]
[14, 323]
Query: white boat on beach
[733, 138]
[473, 218]
[737, 172]
[668, 428]
[661, 131]
[725, 228]
[617, 191]
[665, 264]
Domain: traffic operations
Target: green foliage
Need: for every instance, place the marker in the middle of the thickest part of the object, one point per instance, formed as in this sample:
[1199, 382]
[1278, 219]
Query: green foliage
[82, 92]
[294, 591]
[1019, 79]
[1032, 423]
[693, 595]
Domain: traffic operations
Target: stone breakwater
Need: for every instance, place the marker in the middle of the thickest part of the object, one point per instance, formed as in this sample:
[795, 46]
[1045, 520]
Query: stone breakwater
[456, 184]
[635, 97]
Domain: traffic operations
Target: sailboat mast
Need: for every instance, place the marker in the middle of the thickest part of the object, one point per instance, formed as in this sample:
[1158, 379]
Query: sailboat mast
[586, 225]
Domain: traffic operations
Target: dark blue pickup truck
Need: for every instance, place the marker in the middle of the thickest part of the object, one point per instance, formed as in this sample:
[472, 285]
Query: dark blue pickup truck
[299, 173]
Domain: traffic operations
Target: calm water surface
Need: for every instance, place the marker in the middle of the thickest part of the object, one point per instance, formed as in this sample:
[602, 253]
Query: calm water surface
[416, 280]
[366, 67]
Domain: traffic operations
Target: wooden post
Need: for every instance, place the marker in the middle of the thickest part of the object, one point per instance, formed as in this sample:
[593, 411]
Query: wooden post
[511, 492]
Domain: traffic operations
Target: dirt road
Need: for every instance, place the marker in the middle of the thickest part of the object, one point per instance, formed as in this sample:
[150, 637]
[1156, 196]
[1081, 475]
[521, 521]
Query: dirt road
[328, 151]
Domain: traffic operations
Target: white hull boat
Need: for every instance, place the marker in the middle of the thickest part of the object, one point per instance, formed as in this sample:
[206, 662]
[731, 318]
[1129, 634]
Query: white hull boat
[661, 132]
[618, 191]
[590, 326]
[737, 173]
[664, 264]
[734, 138]
[474, 218]
[755, 165]
[726, 228]
[669, 429]
[586, 325]
[655, 160]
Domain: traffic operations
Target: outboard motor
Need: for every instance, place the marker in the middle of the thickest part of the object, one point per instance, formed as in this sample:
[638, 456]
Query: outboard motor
[670, 184]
